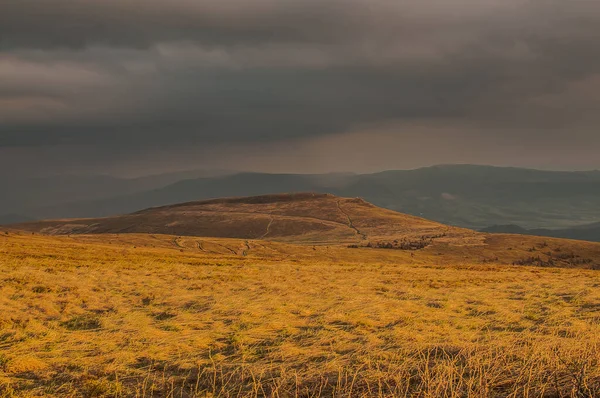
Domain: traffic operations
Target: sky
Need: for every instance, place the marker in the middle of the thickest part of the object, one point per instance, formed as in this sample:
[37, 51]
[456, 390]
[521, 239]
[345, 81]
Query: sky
[133, 87]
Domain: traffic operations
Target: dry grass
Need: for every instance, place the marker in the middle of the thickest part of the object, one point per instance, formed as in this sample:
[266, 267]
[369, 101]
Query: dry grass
[140, 315]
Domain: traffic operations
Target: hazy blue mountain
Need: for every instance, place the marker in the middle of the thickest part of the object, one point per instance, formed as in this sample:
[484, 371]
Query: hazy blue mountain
[14, 219]
[243, 184]
[462, 195]
[589, 232]
[479, 196]
[24, 195]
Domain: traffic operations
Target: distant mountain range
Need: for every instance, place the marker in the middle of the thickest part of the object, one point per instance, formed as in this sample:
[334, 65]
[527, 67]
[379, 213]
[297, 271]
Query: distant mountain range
[24, 199]
[462, 195]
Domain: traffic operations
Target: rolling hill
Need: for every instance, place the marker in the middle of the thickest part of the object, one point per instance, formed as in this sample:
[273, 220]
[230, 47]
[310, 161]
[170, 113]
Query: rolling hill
[300, 217]
[325, 219]
[460, 195]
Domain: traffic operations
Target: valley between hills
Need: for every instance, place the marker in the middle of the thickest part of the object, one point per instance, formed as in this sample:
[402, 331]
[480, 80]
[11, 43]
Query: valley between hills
[293, 295]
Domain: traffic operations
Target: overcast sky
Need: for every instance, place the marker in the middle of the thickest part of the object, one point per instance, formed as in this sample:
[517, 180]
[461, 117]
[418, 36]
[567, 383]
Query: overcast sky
[134, 87]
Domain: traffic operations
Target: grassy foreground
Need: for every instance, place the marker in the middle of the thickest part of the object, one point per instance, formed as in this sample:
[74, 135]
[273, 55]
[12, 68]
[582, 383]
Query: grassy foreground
[159, 316]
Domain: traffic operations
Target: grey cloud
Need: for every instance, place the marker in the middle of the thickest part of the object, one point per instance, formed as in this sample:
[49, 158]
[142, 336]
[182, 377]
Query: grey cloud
[142, 23]
[156, 73]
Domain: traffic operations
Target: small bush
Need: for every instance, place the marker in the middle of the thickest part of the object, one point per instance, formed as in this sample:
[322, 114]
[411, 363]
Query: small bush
[83, 322]
[41, 289]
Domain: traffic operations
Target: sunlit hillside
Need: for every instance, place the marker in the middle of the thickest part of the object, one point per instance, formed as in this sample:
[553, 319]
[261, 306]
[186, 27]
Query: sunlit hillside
[169, 316]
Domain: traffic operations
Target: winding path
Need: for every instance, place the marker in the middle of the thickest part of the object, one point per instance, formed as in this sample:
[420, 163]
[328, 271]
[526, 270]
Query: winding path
[268, 227]
[350, 223]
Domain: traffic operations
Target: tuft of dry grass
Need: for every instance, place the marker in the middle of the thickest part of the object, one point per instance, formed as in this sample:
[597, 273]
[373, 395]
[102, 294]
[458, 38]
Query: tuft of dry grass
[165, 316]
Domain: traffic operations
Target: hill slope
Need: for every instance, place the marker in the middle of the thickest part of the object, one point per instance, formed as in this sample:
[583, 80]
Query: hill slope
[301, 217]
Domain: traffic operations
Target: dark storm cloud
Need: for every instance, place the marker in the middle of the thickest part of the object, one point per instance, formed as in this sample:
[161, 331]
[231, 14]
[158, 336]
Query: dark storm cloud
[142, 23]
[133, 72]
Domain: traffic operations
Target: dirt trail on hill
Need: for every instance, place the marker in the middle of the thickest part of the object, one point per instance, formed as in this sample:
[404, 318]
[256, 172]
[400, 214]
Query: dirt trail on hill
[226, 248]
[350, 223]
[268, 227]
[199, 246]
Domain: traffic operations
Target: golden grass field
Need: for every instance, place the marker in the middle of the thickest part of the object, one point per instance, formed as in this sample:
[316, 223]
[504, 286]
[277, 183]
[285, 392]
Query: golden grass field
[164, 316]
